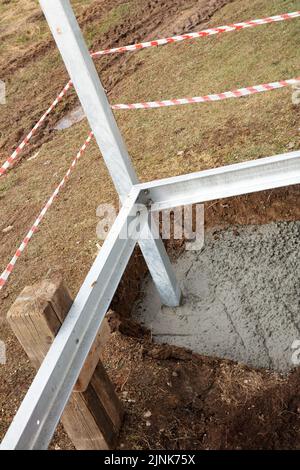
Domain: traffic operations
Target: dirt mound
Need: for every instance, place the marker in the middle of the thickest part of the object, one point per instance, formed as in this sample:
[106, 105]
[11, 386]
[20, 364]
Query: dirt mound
[177, 400]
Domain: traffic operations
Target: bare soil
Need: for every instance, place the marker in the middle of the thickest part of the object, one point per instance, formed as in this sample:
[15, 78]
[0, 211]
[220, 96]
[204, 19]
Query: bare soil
[198, 402]
[195, 402]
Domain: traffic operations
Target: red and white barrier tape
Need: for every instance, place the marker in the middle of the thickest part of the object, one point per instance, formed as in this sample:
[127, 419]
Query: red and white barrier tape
[251, 90]
[200, 34]
[5, 275]
[18, 150]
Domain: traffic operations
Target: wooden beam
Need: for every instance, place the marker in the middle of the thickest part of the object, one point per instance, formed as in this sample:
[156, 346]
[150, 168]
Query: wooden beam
[93, 416]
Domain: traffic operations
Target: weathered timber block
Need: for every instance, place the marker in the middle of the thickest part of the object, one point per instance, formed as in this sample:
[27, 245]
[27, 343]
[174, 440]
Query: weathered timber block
[93, 415]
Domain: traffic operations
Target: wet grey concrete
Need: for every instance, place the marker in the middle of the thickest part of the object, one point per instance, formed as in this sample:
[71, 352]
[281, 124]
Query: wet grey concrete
[241, 297]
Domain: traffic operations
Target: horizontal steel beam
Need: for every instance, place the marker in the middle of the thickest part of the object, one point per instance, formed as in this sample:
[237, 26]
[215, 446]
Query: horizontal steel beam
[38, 416]
[232, 180]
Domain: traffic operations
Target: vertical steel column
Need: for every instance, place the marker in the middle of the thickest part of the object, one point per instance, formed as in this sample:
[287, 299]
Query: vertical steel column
[70, 42]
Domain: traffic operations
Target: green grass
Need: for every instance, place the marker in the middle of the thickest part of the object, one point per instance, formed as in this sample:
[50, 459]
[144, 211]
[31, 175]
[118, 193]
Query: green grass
[216, 133]
[7, 183]
[36, 82]
[19, 25]
[112, 19]
[209, 135]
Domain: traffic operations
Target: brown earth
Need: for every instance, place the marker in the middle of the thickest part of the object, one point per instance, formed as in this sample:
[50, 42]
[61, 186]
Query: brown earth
[200, 403]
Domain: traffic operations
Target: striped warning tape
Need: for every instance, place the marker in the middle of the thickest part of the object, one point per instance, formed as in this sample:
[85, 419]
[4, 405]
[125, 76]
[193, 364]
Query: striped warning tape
[7, 272]
[200, 34]
[208, 98]
[135, 47]
[21, 146]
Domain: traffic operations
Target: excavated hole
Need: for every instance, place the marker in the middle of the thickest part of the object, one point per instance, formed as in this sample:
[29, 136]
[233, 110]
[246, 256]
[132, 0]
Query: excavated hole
[241, 297]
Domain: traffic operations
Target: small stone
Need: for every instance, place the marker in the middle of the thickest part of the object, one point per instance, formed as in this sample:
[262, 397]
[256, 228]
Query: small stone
[180, 153]
[148, 424]
[296, 97]
[7, 229]
[33, 157]
[291, 145]
[174, 374]
[147, 414]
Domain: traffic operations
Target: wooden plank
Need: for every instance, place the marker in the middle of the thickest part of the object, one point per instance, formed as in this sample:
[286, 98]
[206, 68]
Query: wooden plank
[93, 416]
[93, 358]
[81, 426]
[107, 394]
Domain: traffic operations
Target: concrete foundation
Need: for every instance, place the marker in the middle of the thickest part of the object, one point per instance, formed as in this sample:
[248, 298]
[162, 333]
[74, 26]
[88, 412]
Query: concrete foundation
[241, 297]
